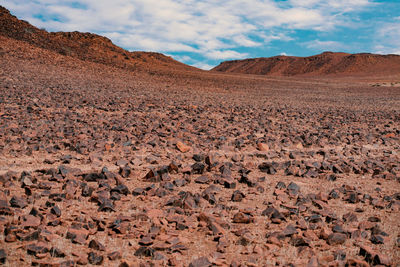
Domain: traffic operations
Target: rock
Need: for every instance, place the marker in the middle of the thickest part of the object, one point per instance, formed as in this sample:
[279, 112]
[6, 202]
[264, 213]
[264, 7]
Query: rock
[182, 147]
[198, 168]
[106, 205]
[202, 180]
[262, 147]
[146, 241]
[30, 221]
[77, 235]
[293, 189]
[95, 259]
[37, 248]
[377, 239]
[3, 256]
[289, 230]
[144, 252]
[121, 189]
[200, 262]
[237, 196]
[125, 171]
[18, 202]
[56, 211]
[241, 217]
[114, 256]
[268, 167]
[336, 239]
[94, 244]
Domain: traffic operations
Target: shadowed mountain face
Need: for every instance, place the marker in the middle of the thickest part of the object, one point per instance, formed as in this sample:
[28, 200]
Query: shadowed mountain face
[84, 46]
[327, 63]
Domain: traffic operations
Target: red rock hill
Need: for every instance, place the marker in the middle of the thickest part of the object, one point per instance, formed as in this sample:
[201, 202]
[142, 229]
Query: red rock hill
[327, 63]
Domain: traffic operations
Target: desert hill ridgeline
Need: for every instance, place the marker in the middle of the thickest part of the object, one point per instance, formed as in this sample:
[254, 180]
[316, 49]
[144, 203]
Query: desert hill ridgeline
[327, 63]
[84, 46]
[99, 49]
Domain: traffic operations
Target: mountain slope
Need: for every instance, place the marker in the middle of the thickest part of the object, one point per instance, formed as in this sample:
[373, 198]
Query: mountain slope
[327, 63]
[84, 46]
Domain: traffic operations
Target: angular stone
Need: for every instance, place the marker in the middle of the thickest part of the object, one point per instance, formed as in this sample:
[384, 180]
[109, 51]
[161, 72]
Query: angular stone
[241, 217]
[182, 147]
[18, 202]
[95, 259]
[94, 244]
[237, 196]
[336, 239]
[200, 262]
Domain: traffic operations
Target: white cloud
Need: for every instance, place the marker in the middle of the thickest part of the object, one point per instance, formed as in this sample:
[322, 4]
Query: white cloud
[226, 54]
[212, 29]
[387, 38]
[203, 66]
[326, 45]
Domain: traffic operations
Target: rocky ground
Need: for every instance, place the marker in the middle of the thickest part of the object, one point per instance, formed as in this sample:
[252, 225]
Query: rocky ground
[101, 166]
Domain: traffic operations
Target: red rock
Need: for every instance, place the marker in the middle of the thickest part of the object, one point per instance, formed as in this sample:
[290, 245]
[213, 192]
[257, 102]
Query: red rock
[182, 147]
[240, 217]
[262, 147]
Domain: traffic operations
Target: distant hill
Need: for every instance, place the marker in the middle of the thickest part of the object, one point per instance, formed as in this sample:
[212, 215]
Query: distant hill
[327, 63]
[85, 46]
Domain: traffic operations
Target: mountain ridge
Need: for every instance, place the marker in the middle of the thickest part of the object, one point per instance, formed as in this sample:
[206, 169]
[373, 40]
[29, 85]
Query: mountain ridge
[326, 63]
[84, 46]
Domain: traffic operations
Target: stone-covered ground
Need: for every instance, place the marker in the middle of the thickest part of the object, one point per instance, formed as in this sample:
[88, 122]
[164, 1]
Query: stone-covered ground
[100, 166]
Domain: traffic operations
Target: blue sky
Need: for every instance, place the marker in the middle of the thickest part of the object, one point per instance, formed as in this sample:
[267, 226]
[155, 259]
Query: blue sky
[204, 33]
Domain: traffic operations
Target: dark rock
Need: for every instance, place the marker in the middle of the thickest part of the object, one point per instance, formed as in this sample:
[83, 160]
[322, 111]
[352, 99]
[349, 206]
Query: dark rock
[200, 262]
[237, 196]
[55, 252]
[56, 211]
[293, 189]
[18, 202]
[114, 256]
[144, 252]
[121, 189]
[94, 244]
[198, 157]
[106, 205]
[336, 239]
[268, 167]
[202, 180]
[198, 168]
[95, 259]
[3, 256]
[289, 230]
[377, 239]
[37, 248]
[125, 171]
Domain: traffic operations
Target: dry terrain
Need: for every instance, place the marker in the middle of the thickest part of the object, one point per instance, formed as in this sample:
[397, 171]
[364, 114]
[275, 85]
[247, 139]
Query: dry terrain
[132, 162]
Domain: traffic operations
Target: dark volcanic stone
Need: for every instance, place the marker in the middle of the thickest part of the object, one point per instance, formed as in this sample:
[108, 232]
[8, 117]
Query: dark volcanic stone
[95, 259]
[94, 244]
[293, 188]
[198, 168]
[237, 196]
[106, 205]
[200, 262]
[121, 189]
[18, 202]
[377, 239]
[202, 180]
[336, 239]
[144, 252]
[3, 256]
[56, 210]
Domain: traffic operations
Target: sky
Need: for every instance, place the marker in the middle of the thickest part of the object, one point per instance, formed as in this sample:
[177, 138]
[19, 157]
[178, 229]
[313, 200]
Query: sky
[206, 32]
